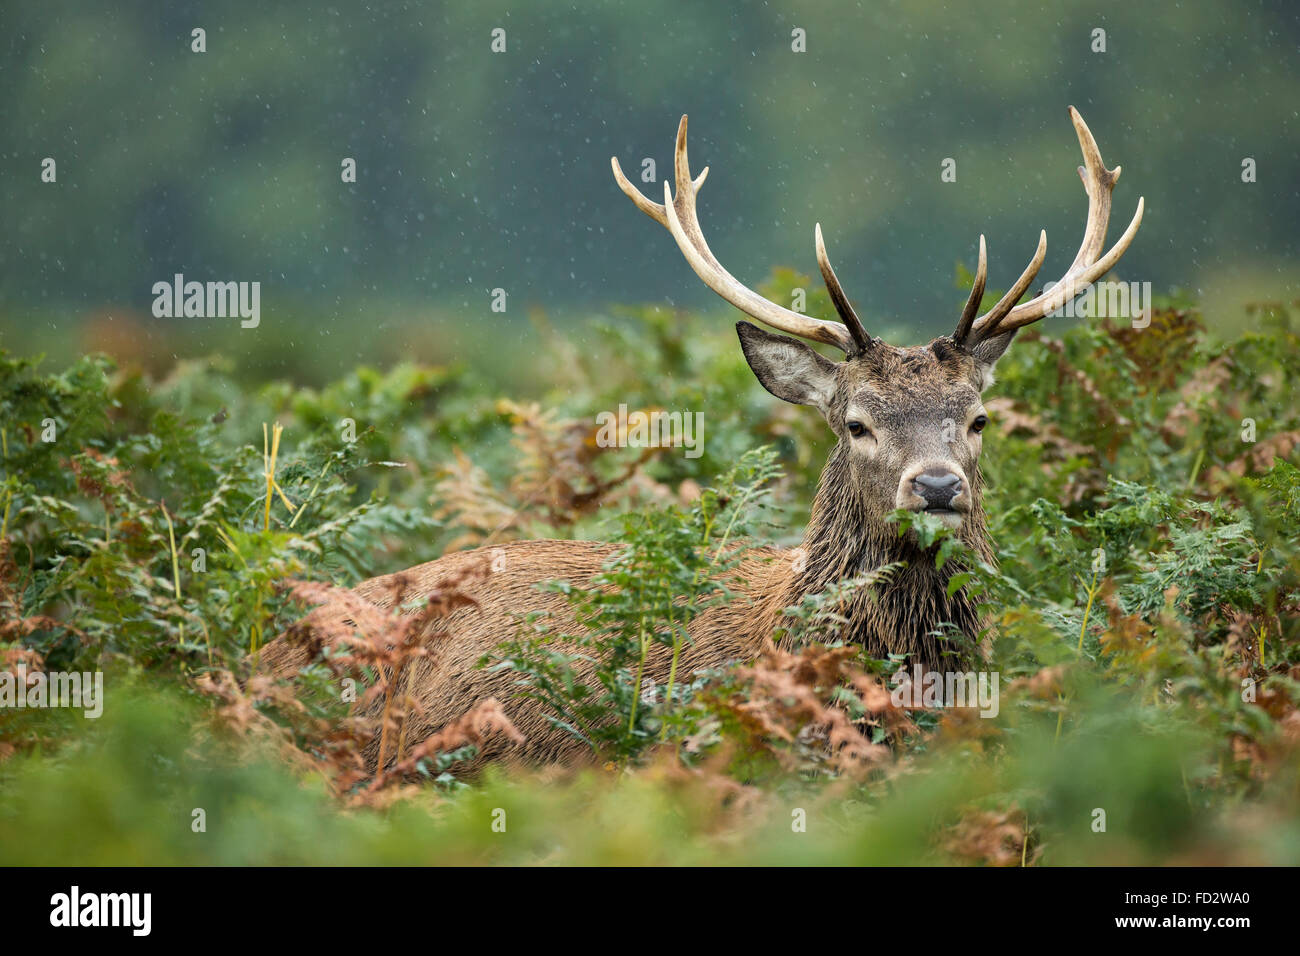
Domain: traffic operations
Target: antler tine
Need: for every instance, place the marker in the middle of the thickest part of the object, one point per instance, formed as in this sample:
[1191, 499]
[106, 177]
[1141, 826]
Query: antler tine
[1098, 182]
[976, 294]
[678, 215]
[652, 209]
[991, 321]
[1071, 285]
[840, 300]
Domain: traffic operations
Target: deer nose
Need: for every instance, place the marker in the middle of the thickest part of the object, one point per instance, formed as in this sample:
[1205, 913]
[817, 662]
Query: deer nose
[937, 486]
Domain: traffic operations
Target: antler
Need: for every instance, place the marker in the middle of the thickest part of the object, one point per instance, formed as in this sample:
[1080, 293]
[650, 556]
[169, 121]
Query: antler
[1088, 266]
[678, 216]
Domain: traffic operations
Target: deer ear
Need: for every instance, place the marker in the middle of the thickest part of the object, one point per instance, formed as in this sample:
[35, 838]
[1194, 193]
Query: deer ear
[789, 369]
[987, 354]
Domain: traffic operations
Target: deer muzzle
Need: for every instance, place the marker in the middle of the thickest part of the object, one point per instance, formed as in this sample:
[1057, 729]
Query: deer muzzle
[938, 488]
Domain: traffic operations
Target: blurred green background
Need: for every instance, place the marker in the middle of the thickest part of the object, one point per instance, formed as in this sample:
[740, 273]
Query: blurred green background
[479, 170]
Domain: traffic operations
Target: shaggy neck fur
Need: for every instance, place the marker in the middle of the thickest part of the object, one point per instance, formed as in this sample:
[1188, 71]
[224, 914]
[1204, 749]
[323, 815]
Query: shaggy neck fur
[902, 615]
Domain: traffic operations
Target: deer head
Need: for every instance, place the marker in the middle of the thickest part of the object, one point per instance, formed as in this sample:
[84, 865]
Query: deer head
[908, 420]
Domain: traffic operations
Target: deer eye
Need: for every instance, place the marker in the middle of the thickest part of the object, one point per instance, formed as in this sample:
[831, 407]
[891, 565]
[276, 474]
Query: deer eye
[977, 426]
[857, 429]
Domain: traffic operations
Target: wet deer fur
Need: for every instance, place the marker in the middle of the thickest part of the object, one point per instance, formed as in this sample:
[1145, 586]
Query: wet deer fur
[908, 423]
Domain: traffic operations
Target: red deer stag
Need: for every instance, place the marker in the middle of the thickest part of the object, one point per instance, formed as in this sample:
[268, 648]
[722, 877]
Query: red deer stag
[893, 411]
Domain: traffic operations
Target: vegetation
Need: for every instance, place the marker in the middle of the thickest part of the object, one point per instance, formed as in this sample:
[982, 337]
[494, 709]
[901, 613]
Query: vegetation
[1142, 493]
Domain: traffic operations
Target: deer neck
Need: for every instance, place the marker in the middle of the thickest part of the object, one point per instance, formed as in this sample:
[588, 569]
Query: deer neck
[896, 616]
